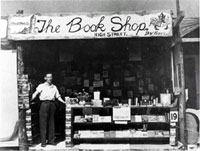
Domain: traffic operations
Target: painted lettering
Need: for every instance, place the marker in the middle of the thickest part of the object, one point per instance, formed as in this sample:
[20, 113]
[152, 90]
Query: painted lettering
[116, 34]
[48, 26]
[127, 25]
[141, 27]
[115, 20]
[75, 25]
[99, 34]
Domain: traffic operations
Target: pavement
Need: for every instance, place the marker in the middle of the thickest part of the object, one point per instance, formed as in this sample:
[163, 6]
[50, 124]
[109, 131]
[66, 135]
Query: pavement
[13, 145]
[106, 147]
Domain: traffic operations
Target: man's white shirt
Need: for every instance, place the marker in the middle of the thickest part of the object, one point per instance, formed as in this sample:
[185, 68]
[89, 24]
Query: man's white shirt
[47, 92]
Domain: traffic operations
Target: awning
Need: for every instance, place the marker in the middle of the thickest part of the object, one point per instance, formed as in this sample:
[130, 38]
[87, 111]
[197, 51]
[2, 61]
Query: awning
[188, 25]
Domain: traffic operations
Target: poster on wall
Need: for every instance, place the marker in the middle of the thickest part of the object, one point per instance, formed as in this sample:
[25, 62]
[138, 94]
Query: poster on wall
[104, 25]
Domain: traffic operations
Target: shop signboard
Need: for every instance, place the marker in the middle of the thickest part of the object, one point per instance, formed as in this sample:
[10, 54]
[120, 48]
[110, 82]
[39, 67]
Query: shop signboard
[88, 26]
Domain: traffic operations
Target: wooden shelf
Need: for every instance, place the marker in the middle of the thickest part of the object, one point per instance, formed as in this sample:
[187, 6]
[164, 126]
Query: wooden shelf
[107, 107]
[123, 138]
[129, 123]
[131, 140]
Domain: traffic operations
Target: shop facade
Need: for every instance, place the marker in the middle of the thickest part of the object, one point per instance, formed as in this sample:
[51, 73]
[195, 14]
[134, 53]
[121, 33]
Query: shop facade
[131, 58]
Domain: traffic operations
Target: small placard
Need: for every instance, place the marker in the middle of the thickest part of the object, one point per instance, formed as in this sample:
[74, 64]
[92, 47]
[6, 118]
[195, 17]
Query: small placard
[105, 74]
[68, 139]
[67, 131]
[173, 116]
[106, 66]
[130, 94]
[97, 76]
[117, 93]
[91, 89]
[151, 87]
[121, 122]
[116, 84]
[98, 84]
[78, 81]
[86, 83]
[107, 81]
[62, 90]
[176, 90]
[121, 113]
[130, 79]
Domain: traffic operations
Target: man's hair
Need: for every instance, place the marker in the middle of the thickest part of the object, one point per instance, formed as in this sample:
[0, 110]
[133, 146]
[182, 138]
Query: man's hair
[48, 73]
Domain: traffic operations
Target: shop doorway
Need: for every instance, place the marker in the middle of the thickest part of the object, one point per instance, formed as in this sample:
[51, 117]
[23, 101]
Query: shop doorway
[127, 67]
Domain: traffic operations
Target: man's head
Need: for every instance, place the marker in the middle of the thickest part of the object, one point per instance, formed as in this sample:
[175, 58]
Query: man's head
[48, 78]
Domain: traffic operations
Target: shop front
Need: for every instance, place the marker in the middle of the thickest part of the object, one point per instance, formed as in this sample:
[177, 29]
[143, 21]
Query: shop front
[121, 75]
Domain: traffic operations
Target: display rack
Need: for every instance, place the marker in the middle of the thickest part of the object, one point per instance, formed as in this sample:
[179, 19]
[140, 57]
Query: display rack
[125, 132]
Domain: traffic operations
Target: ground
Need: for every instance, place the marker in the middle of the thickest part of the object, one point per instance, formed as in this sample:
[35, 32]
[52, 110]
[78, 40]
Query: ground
[101, 147]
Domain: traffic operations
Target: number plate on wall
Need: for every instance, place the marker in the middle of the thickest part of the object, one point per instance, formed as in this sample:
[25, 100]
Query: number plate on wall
[173, 116]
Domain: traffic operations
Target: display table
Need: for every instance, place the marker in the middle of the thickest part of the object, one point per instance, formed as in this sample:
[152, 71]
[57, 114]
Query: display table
[97, 125]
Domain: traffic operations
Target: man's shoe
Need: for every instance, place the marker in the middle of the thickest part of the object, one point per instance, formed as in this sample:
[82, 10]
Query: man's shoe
[43, 145]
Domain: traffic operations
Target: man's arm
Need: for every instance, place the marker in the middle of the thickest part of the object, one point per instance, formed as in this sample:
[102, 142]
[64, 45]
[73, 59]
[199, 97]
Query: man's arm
[61, 100]
[38, 90]
[58, 96]
[34, 95]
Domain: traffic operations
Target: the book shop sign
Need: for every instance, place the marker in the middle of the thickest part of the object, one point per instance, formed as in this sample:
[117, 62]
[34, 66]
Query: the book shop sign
[28, 27]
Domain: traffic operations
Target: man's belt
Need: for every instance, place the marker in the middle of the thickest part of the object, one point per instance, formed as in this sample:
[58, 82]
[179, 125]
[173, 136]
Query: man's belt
[47, 101]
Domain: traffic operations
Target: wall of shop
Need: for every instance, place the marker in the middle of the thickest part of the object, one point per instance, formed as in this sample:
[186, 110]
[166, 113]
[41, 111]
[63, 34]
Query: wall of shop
[8, 93]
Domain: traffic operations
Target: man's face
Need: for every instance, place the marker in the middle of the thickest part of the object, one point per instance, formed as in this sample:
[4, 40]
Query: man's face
[49, 78]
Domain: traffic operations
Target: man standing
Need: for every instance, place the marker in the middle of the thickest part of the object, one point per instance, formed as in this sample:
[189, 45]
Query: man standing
[47, 92]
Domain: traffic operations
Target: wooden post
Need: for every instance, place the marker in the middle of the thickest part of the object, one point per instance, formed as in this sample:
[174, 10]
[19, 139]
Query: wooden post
[181, 80]
[23, 141]
[182, 101]
[182, 106]
[177, 6]
[180, 64]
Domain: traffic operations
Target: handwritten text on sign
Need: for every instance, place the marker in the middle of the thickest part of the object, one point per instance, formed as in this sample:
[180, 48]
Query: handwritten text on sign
[90, 26]
[121, 113]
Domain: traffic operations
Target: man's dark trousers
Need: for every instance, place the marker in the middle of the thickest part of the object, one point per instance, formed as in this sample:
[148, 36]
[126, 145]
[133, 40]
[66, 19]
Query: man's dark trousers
[47, 112]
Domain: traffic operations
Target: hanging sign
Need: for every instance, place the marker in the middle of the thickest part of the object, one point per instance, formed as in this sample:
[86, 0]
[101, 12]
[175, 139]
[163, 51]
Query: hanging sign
[30, 27]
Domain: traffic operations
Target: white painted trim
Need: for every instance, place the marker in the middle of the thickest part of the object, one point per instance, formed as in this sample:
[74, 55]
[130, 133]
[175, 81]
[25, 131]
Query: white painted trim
[190, 39]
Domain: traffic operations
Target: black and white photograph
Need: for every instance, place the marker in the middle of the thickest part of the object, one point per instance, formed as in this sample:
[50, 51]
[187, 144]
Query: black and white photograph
[99, 75]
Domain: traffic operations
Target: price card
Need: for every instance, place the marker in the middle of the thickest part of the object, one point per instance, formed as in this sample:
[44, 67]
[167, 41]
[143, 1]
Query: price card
[67, 131]
[98, 84]
[173, 116]
[121, 113]
[176, 90]
[68, 139]
[121, 122]
[68, 126]
[29, 133]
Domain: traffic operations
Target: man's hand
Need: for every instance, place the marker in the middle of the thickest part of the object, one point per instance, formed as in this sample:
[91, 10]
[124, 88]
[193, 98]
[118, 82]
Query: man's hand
[61, 100]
